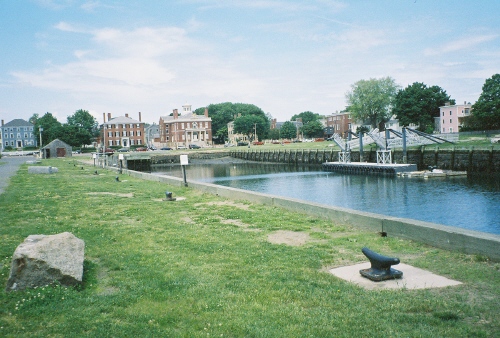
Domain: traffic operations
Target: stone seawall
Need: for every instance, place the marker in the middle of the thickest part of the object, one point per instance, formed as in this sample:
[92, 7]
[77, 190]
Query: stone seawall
[470, 160]
[437, 235]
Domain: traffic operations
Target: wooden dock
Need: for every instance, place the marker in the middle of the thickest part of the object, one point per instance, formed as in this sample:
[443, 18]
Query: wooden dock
[369, 168]
[431, 174]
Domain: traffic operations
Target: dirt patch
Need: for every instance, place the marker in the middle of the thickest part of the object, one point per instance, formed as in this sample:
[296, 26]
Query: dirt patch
[226, 203]
[129, 195]
[239, 223]
[292, 238]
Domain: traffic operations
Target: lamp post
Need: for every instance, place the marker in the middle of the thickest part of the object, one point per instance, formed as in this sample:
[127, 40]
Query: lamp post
[40, 129]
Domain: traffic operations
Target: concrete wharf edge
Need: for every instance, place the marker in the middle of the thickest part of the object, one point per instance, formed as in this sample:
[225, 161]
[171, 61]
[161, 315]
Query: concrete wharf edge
[436, 235]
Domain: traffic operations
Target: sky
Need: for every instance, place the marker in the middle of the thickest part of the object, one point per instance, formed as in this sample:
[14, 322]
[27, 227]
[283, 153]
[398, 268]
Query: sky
[284, 56]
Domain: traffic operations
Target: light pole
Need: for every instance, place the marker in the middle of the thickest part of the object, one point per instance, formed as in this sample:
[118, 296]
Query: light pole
[40, 129]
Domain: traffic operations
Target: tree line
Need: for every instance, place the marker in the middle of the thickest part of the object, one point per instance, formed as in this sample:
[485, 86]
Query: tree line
[372, 101]
[80, 129]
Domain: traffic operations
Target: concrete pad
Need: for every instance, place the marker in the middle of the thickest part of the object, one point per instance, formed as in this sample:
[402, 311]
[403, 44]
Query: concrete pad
[413, 278]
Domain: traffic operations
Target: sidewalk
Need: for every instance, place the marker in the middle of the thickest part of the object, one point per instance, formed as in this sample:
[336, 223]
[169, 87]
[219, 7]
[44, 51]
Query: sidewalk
[9, 167]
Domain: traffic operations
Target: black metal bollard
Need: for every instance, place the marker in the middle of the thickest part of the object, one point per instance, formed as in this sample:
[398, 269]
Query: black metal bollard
[380, 267]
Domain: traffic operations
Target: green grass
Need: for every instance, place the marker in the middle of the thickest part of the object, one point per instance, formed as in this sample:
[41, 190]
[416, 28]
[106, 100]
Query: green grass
[180, 269]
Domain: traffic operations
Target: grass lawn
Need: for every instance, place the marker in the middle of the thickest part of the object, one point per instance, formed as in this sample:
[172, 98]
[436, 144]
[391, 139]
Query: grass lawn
[203, 267]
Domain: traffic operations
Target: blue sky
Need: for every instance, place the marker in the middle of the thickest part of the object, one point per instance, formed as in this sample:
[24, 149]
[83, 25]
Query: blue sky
[285, 56]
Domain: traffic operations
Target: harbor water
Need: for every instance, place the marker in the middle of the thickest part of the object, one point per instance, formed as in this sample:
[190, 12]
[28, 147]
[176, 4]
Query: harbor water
[467, 202]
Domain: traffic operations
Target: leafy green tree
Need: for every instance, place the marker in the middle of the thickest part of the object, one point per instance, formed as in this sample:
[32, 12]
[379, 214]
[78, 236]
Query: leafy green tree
[306, 116]
[486, 110]
[313, 129]
[51, 128]
[288, 130]
[82, 128]
[248, 124]
[371, 100]
[223, 113]
[418, 104]
[34, 118]
[274, 134]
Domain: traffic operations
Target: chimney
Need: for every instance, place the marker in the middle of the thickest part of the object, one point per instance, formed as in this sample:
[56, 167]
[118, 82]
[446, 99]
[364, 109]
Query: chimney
[446, 103]
[109, 116]
[126, 115]
[103, 117]
[176, 114]
[465, 102]
[140, 120]
[206, 112]
[2, 123]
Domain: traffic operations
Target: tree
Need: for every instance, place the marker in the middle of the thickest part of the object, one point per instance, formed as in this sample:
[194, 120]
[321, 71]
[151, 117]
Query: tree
[51, 128]
[288, 130]
[274, 134]
[486, 110]
[82, 128]
[313, 129]
[371, 100]
[249, 124]
[33, 119]
[223, 113]
[306, 116]
[418, 104]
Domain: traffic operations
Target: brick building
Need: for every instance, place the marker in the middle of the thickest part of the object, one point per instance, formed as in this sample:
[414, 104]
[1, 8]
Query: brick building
[122, 131]
[339, 123]
[182, 130]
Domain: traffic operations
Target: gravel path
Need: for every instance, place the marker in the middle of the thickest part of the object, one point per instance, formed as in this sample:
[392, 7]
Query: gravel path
[8, 167]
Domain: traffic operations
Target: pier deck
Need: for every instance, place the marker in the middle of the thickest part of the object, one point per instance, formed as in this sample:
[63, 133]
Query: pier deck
[368, 168]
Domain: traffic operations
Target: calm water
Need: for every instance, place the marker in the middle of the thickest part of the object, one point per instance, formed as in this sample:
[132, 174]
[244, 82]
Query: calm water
[472, 203]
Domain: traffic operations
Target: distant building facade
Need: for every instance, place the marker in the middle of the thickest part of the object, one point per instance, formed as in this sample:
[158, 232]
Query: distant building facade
[18, 133]
[339, 123]
[181, 130]
[122, 131]
[297, 123]
[234, 138]
[451, 117]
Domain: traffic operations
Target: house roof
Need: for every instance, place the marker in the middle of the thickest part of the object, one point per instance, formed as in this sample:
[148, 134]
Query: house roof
[58, 141]
[122, 120]
[18, 123]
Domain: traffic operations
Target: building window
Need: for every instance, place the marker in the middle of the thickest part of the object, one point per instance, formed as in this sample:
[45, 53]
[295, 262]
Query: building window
[450, 112]
[131, 133]
[451, 129]
[450, 121]
[443, 121]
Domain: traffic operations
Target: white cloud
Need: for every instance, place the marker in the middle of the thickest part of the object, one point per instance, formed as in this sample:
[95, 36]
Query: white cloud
[460, 44]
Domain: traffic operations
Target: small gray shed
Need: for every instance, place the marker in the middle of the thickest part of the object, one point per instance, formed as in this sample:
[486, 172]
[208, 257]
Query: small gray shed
[57, 148]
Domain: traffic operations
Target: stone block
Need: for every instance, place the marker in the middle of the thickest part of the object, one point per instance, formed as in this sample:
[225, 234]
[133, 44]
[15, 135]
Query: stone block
[41, 260]
[42, 170]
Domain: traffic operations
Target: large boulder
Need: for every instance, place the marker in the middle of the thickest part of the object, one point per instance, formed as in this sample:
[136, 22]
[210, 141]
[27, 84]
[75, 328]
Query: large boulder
[41, 260]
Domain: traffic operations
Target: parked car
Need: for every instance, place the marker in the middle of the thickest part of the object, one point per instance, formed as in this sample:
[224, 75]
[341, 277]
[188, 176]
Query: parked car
[141, 149]
[242, 144]
[166, 148]
[181, 147]
[194, 146]
[123, 150]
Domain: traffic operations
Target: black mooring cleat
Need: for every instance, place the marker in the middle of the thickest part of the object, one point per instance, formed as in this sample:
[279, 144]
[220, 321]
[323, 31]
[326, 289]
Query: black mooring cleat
[381, 267]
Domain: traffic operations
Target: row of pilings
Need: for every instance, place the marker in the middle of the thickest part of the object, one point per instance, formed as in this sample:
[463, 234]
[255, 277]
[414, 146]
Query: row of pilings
[470, 160]
[291, 156]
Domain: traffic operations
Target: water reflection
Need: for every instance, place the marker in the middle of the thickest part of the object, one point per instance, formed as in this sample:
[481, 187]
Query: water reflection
[471, 203]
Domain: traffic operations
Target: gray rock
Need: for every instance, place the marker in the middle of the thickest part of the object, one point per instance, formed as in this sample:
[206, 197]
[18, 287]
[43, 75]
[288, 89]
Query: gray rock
[42, 170]
[41, 260]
